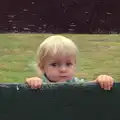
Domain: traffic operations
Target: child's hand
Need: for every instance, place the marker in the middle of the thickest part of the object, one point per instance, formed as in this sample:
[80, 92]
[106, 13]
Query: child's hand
[34, 82]
[105, 81]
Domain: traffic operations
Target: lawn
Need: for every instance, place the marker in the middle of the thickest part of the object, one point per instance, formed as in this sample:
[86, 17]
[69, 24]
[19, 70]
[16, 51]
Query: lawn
[99, 54]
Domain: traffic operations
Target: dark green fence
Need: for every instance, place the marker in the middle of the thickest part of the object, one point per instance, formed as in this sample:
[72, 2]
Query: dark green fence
[59, 102]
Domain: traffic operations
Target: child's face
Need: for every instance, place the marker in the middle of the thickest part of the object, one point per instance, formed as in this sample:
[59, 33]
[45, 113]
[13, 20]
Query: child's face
[60, 68]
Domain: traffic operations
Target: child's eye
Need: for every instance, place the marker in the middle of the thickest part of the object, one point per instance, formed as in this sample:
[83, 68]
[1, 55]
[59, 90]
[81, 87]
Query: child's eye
[54, 64]
[68, 64]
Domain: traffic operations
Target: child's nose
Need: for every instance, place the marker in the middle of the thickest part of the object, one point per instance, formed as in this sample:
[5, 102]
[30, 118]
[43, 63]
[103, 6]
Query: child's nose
[62, 69]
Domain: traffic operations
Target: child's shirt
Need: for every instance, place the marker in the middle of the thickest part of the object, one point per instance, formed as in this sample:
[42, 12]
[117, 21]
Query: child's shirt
[74, 80]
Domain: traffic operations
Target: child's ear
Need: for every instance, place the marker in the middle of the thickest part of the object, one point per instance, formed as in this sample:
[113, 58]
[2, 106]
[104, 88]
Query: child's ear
[75, 61]
[42, 68]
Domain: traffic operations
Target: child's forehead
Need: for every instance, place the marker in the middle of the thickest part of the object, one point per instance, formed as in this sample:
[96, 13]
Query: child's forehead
[62, 57]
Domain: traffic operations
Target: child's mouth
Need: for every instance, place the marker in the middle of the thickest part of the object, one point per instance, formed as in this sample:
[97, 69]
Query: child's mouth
[63, 76]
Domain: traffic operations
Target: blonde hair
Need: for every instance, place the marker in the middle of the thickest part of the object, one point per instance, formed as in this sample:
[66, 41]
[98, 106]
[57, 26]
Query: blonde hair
[54, 45]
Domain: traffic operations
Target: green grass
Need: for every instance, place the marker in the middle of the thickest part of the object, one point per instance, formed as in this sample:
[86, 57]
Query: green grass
[99, 54]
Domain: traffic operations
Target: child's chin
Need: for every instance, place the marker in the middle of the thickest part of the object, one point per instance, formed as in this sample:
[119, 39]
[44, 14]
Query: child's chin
[64, 79]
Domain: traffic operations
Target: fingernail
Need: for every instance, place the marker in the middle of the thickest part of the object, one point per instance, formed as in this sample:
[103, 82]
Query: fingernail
[105, 88]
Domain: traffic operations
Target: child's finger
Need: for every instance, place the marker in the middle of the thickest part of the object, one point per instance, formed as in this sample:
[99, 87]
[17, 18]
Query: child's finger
[35, 84]
[109, 86]
[106, 85]
[102, 82]
[32, 84]
[106, 82]
[38, 83]
[102, 85]
[111, 82]
[27, 80]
